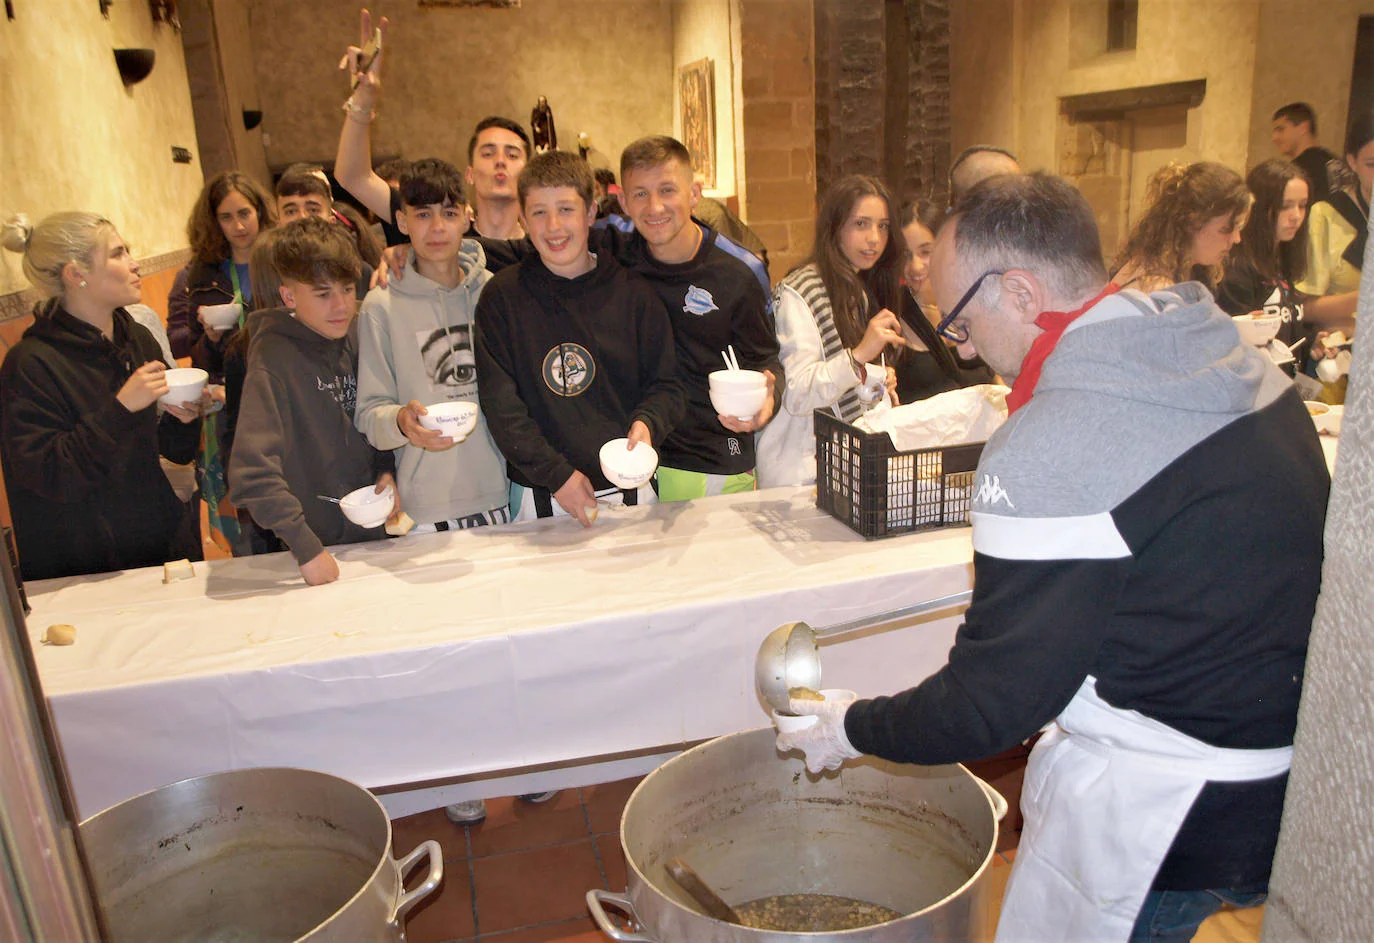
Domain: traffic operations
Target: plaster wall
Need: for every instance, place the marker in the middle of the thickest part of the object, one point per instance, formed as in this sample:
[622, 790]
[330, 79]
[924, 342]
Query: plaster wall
[74, 138]
[604, 65]
[701, 29]
[240, 86]
[1305, 52]
[1176, 41]
[984, 76]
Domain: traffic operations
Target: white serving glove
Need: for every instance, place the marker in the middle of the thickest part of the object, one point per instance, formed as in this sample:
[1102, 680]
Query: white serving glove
[825, 743]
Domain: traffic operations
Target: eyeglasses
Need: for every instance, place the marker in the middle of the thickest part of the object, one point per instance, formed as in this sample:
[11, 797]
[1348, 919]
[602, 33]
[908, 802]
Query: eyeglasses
[958, 333]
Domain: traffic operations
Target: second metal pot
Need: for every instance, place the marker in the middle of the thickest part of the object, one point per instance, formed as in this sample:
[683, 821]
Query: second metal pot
[258, 854]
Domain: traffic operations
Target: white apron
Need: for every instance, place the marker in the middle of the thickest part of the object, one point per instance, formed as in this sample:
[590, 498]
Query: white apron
[1106, 791]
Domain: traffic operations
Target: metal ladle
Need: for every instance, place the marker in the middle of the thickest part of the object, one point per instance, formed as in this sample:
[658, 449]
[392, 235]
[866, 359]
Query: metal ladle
[790, 656]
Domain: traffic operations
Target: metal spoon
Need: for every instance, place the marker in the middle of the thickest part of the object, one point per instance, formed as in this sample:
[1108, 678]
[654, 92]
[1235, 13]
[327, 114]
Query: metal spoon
[790, 656]
[325, 497]
[700, 891]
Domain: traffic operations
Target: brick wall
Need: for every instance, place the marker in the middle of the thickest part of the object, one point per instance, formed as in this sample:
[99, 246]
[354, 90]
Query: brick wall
[778, 179]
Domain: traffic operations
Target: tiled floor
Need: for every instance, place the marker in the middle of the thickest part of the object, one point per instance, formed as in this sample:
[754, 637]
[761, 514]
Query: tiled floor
[522, 875]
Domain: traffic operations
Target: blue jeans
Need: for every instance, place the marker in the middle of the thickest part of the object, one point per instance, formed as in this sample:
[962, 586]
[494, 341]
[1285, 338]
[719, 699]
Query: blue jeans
[1174, 916]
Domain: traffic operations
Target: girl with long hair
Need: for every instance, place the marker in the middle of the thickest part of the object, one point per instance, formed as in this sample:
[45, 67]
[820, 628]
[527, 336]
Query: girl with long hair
[1272, 258]
[1194, 217]
[930, 366]
[80, 432]
[834, 315]
[1339, 227]
[224, 224]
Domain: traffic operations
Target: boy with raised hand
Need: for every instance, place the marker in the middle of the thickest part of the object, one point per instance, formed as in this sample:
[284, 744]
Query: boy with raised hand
[415, 350]
[716, 298]
[497, 152]
[572, 351]
[296, 439]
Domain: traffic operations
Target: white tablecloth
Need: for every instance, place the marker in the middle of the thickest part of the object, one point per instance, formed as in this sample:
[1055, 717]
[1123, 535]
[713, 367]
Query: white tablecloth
[458, 653]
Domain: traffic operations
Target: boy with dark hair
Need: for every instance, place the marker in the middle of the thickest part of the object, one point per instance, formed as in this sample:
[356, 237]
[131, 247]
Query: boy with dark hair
[1295, 137]
[303, 190]
[415, 350]
[572, 351]
[296, 439]
[715, 295]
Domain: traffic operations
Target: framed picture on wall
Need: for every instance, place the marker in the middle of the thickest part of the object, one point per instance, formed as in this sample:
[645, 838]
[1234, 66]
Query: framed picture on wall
[696, 83]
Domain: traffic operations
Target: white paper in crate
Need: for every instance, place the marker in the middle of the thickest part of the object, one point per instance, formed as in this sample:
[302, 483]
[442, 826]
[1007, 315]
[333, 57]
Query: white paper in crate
[954, 418]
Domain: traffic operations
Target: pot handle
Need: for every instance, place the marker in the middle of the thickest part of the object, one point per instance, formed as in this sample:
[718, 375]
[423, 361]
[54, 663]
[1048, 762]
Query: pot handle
[432, 880]
[596, 902]
[999, 802]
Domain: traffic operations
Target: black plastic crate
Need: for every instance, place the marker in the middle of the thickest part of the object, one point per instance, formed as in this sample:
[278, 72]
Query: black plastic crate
[880, 491]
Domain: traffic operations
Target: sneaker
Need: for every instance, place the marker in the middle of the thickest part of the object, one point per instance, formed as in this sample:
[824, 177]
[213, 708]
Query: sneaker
[539, 796]
[472, 812]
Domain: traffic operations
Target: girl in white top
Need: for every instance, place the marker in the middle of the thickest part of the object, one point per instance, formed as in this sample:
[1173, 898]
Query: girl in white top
[826, 327]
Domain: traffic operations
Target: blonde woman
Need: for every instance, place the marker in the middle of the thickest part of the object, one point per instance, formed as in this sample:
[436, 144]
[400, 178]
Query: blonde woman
[80, 433]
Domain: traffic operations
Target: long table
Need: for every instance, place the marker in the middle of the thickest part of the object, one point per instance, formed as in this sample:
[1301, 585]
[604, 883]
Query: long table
[452, 659]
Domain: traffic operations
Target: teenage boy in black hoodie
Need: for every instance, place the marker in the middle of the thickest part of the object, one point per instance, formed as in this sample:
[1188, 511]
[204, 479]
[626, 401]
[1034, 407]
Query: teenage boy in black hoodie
[572, 350]
[296, 439]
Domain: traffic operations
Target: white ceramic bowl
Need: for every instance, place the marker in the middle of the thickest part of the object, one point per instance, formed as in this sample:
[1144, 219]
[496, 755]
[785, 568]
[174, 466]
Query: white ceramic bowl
[221, 317]
[1257, 331]
[454, 419]
[366, 508]
[625, 468]
[184, 385]
[1321, 415]
[738, 393]
[787, 723]
[736, 379]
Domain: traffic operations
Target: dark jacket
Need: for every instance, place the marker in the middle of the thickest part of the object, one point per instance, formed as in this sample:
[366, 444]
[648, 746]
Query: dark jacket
[86, 491]
[206, 285]
[296, 437]
[565, 365]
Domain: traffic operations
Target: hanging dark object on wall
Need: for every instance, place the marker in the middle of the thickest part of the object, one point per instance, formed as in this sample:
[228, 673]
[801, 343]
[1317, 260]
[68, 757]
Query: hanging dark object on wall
[134, 64]
[251, 118]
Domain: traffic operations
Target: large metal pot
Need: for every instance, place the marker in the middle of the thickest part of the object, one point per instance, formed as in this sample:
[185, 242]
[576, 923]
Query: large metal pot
[754, 823]
[254, 854]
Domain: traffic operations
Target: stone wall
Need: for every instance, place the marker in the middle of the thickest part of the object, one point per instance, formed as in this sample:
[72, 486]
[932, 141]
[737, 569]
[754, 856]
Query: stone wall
[778, 96]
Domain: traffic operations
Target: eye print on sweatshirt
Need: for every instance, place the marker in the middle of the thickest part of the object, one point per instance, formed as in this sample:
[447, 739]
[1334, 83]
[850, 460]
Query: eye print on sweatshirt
[448, 358]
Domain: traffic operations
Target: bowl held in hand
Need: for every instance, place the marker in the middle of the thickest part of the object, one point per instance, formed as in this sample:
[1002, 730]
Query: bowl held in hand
[366, 508]
[626, 468]
[184, 386]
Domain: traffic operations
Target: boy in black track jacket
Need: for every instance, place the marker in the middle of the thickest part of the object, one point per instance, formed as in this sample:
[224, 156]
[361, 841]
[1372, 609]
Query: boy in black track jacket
[572, 351]
[717, 297]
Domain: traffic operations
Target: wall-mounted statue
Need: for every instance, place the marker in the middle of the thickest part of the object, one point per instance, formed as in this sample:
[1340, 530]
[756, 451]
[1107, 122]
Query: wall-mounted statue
[541, 127]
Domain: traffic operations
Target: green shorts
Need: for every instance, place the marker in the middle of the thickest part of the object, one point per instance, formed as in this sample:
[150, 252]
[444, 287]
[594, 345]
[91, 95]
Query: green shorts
[674, 484]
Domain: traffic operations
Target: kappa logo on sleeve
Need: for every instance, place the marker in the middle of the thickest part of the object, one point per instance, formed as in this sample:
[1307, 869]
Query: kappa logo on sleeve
[698, 301]
[569, 369]
[990, 491]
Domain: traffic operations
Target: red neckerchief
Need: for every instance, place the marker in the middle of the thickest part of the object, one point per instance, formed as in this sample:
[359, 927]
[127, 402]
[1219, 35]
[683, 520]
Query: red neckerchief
[1052, 325]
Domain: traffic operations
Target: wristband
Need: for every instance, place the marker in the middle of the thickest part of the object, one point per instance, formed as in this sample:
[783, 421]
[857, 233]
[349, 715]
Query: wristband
[357, 113]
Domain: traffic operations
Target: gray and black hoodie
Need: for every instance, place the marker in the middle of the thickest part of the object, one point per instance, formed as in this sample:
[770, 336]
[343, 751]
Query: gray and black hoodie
[296, 437]
[415, 343]
[1153, 517]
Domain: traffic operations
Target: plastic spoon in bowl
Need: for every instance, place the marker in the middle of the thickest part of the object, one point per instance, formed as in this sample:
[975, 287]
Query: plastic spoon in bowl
[700, 891]
[734, 358]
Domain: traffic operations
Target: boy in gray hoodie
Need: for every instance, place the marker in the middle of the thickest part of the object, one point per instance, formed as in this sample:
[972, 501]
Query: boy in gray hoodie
[415, 351]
